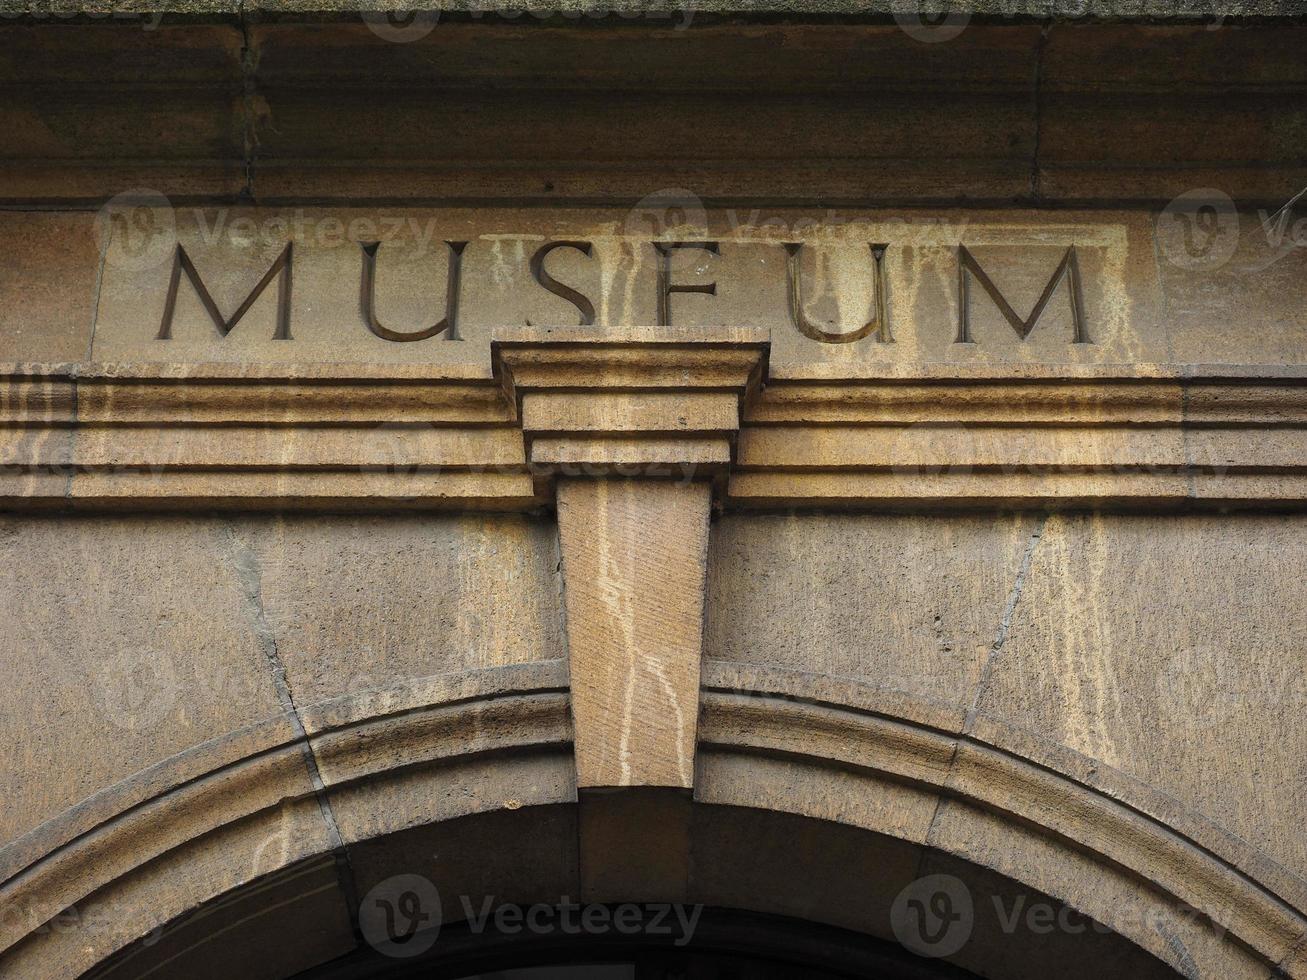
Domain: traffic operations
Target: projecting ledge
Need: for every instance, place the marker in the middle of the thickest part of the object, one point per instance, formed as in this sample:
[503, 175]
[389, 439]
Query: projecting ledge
[630, 401]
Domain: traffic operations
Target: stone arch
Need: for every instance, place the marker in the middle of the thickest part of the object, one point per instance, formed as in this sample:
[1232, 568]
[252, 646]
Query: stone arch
[849, 791]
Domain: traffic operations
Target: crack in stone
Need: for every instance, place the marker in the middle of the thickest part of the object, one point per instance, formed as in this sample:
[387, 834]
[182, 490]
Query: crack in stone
[995, 648]
[1184, 964]
[1005, 623]
[1038, 107]
[249, 102]
[249, 576]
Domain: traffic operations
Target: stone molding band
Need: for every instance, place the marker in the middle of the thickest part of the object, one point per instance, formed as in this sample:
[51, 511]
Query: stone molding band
[650, 402]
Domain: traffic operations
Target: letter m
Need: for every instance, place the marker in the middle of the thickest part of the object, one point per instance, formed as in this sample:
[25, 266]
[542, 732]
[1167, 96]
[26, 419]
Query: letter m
[1067, 269]
[181, 262]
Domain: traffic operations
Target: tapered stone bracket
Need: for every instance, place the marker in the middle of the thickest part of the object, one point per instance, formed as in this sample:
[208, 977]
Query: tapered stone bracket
[632, 429]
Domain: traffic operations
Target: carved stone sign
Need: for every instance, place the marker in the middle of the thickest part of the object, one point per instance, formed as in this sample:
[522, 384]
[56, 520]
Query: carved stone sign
[835, 289]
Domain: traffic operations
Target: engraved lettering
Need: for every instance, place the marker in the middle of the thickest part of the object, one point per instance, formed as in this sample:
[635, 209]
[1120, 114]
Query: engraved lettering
[367, 297]
[1068, 269]
[665, 285]
[181, 262]
[879, 322]
[540, 275]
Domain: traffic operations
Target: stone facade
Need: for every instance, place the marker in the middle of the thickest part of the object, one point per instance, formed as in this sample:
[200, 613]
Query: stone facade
[833, 481]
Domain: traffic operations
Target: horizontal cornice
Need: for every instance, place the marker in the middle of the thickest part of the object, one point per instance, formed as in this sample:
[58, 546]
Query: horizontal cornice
[366, 438]
[294, 102]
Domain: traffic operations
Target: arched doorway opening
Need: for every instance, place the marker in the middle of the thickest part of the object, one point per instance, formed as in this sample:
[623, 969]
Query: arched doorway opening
[768, 895]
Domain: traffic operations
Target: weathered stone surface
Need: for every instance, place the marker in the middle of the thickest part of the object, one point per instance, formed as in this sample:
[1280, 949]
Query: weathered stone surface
[1165, 648]
[47, 286]
[1066, 679]
[85, 111]
[476, 593]
[1084, 630]
[425, 796]
[1180, 867]
[995, 105]
[182, 664]
[633, 573]
[1023, 917]
[1140, 278]
[1213, 274]
[661, 402]
[911, 603]
[835, 271]
[138, 904]
[424, 437]
[1180, 937]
